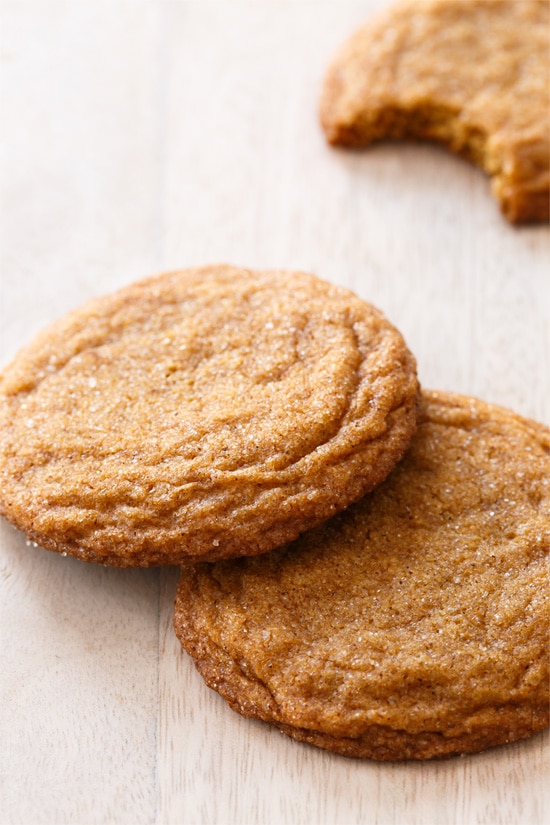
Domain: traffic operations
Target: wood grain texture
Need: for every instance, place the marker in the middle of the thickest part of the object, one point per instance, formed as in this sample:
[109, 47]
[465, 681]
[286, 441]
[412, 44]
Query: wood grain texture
[143, 135]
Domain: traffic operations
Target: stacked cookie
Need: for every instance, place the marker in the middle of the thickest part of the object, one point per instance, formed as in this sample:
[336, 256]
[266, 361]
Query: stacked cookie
[200, 415]
[363, 563]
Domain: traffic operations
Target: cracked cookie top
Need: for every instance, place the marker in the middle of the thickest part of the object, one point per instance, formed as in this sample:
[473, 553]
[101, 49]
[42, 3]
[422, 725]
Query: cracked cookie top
[414, 624]
[201, 414]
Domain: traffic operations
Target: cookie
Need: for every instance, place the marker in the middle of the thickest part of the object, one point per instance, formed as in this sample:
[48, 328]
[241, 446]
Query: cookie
[201, 414]
[414, 624]
[473, 75]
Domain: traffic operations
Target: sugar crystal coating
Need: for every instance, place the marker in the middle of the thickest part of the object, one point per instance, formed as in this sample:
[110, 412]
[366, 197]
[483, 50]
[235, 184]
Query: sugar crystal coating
[472, 75]
[201, 414]
[414, 624]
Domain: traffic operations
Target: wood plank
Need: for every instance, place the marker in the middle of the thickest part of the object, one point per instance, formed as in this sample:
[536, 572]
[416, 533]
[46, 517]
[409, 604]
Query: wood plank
[147, 135]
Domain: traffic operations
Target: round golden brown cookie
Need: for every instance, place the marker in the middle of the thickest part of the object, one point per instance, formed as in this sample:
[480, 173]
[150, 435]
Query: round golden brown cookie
[471, 74]
[202, 414]
[414, 624]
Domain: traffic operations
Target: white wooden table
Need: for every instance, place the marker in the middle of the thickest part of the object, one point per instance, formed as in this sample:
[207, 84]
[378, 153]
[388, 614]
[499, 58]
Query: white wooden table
[144, 135]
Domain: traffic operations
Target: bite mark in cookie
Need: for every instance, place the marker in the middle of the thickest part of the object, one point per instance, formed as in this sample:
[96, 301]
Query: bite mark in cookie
[473, 75]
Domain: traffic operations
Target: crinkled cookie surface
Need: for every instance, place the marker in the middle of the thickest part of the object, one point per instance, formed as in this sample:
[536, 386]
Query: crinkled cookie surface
[413, 625]
[201, 414]
[471, 74]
